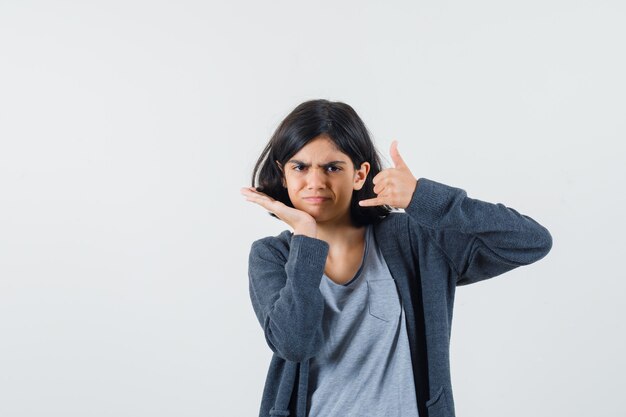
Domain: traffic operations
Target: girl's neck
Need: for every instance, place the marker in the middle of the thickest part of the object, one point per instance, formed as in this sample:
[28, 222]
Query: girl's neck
[340, 235]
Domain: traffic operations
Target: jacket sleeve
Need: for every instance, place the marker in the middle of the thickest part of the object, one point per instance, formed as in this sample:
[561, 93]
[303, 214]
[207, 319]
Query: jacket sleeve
[286, 297]
[480, 239]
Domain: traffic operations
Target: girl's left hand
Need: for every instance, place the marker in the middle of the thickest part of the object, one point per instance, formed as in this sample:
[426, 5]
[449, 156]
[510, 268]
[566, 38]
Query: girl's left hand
[393, 186]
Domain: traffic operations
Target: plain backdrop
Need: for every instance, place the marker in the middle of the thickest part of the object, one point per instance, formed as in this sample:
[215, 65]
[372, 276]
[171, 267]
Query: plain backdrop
[128, 127]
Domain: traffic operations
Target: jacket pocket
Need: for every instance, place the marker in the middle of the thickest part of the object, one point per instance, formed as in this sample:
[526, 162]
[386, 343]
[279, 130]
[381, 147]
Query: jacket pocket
[383, 299]
[437, 406]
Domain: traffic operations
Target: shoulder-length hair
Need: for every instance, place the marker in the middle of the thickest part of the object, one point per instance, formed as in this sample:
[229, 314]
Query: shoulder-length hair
[306, 122]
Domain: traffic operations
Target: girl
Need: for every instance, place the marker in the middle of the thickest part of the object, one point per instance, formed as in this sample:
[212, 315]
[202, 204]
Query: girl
[356, 302]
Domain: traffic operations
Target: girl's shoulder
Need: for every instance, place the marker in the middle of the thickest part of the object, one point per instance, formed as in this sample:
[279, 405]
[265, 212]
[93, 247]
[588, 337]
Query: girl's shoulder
[392, 222]
[278, 245]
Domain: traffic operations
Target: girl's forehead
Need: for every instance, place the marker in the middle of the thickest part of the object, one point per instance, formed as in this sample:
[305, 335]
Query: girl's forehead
[321, 148]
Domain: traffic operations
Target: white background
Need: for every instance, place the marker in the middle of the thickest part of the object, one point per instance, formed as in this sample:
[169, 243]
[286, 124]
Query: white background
[128, 127]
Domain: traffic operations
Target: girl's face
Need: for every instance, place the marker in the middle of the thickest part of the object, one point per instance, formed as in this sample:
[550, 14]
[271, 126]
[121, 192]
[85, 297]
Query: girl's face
[320, 180]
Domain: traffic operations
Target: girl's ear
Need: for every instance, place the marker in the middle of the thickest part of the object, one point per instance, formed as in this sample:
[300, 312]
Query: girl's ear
[360, 175]
[282, 172]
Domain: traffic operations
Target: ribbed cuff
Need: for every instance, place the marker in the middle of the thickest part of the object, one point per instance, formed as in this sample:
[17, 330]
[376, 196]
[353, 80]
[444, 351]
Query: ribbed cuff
[307, 258]
[429, 201]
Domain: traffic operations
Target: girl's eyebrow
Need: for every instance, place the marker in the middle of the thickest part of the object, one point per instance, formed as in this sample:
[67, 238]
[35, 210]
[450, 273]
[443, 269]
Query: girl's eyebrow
[295, 161]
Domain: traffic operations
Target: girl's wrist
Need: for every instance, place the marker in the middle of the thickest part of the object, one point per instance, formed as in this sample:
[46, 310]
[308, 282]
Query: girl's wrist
[309, 230]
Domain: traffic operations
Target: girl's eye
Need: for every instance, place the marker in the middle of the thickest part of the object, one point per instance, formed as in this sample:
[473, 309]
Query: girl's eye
[330, 168]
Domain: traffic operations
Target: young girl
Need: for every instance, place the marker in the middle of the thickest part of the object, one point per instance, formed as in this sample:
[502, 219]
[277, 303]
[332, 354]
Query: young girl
[356, 303]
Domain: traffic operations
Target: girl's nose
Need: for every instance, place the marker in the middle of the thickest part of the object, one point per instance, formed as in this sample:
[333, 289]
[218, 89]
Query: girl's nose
[316, 178]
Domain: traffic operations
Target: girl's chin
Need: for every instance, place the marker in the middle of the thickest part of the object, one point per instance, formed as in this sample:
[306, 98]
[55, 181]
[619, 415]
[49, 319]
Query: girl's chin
[314, 213]
[317, 213]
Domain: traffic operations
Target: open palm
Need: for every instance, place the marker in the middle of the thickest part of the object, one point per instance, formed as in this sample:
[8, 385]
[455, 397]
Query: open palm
[292, 216]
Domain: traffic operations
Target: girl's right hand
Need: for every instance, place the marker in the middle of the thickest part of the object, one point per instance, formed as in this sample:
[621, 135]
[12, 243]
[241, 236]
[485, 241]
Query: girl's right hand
[300, 221]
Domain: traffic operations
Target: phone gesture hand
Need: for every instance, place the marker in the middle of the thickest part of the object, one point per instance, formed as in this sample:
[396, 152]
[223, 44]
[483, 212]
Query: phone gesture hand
[394, 186]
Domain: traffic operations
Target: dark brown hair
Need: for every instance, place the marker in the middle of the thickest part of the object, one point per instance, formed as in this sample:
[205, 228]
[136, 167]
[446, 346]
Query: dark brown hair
[345, 128]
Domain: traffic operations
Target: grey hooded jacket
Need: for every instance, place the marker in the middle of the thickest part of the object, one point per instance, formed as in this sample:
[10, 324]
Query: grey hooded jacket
[442, 240]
